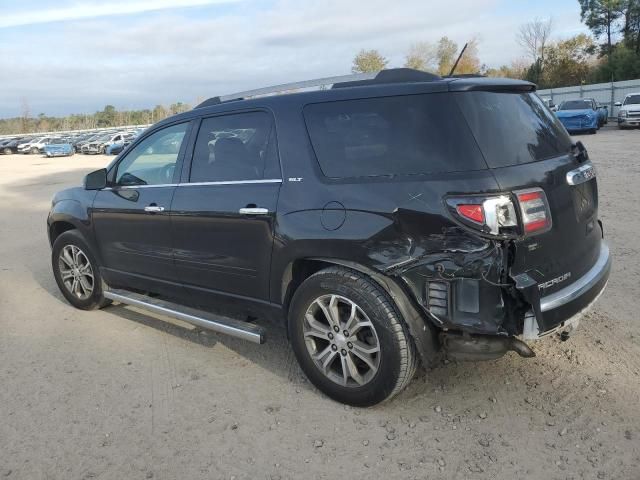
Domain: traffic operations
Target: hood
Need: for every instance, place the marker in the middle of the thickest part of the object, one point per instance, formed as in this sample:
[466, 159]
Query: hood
[634, 107]
[574, 113]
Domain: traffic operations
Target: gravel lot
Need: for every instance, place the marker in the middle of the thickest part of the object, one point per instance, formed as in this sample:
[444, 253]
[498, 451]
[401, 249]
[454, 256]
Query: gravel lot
[118, 394]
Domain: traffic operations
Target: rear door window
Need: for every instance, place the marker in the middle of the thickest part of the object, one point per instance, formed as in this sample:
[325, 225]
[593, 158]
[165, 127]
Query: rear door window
[513, 128]
[235, 147]
[390, 136]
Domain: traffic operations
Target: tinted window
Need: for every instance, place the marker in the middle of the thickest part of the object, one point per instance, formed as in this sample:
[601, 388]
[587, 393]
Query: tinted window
[152, 161]
[235, 147]
[402, 135]
[576, 105]
[513, 128]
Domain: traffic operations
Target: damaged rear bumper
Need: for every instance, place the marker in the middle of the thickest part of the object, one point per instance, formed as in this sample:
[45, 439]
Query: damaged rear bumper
[561, 308]
[485, 321]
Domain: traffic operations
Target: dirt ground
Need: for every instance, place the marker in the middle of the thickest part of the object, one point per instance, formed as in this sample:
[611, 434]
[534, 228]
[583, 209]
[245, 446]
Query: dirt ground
[118, 394]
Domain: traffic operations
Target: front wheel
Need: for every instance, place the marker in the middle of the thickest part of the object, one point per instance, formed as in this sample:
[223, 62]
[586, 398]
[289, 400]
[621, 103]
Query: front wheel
[593, 131]
[349, 339]
[76, 271]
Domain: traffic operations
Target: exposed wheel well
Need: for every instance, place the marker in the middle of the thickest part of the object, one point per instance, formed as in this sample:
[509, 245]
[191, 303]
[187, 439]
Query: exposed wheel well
[58, 228]
[422, 331]
[297, 273]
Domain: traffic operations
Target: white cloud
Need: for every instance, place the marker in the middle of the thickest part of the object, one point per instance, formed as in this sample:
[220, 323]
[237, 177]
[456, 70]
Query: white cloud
[88, 10]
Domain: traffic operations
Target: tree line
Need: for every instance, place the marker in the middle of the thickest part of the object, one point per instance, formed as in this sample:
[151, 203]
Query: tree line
[610, 53]
[109, 116]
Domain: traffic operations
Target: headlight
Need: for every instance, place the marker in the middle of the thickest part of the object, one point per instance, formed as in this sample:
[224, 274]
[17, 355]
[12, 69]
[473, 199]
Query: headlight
[623, 113]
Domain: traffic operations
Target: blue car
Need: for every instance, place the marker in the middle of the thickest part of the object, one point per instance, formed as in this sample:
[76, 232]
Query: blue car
[116, 148]
[58, 147]
[578, 116]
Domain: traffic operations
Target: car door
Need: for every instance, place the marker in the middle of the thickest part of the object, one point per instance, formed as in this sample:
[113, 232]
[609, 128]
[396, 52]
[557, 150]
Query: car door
[223, 211]
[131, 218]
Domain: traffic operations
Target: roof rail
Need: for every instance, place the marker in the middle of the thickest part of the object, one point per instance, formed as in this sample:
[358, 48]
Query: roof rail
[394, 75]
[286, 87]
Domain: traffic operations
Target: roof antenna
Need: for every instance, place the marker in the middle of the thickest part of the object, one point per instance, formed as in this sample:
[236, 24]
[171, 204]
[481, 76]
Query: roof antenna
[453, 69]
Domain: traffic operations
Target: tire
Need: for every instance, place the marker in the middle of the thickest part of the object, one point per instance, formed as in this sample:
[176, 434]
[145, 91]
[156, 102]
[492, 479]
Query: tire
[33, 151]
[68, 243]
[7, 151]
[593, 131]
[392, 358]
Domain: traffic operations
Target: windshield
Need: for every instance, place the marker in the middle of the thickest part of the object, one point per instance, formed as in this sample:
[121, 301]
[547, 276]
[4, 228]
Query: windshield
[575, 105]
[632, 100]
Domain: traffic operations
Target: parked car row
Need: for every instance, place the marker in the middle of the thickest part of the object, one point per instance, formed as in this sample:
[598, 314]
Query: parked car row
[109, 143]
[587, 115]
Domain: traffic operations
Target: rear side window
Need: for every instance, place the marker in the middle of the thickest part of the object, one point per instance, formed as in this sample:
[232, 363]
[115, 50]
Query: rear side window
[235, 147]
[389, 136]
[513, 128]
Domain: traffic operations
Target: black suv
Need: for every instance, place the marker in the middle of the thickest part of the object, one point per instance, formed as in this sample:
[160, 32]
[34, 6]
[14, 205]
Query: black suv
[384, 221]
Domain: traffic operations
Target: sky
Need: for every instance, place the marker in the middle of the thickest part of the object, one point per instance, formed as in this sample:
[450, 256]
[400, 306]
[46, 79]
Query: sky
[76, 56]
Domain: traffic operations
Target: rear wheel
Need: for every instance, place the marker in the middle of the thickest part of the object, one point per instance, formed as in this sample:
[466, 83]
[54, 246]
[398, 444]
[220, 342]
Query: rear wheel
[33, 151]
[348, 338]
[7, 151]
[76, 271]
[593, 131]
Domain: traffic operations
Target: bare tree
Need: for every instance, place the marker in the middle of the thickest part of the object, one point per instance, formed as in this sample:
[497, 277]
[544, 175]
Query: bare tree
[422, 56]
[533, 37]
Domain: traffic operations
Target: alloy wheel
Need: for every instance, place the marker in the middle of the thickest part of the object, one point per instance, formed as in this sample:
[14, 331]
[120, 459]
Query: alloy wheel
[341, 340]
[76, 272]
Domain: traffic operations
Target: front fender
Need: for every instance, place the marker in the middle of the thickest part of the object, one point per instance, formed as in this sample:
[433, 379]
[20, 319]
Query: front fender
[73, 212]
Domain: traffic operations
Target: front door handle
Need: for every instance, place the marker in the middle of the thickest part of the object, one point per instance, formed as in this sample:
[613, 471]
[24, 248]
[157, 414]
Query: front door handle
[253, 211]
[153, 209]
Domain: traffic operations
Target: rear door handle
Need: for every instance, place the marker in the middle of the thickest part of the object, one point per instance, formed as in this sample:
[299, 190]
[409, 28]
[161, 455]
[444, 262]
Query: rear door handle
[253, 211]
[153, 209]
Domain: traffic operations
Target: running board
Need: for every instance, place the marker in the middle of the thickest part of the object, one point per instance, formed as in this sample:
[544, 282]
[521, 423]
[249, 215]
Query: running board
[199, 318]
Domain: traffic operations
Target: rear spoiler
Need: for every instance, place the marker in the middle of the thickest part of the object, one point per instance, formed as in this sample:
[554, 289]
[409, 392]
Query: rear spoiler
[486, 84]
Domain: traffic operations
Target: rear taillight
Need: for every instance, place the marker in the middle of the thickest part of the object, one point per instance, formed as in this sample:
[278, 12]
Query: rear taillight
[496, 214]
[472, 212]
[534, 210]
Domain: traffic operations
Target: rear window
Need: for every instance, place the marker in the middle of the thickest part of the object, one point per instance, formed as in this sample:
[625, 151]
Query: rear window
[513, 128]
[389, 136]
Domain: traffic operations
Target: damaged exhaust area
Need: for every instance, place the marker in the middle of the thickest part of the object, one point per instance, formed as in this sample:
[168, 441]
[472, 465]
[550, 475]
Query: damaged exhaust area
[465, 286]
[462, 283]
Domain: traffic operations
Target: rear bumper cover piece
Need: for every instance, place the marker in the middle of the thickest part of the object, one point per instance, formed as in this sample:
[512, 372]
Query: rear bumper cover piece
[585, 284]
[551, 310]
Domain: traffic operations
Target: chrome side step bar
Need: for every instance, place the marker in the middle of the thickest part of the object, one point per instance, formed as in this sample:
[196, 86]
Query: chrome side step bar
[199, 318]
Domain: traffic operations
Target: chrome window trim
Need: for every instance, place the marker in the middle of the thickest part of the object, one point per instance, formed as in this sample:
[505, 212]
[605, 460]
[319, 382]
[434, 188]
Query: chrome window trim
[230, 182]
[580, 286]
[135, 187]
[196, 184]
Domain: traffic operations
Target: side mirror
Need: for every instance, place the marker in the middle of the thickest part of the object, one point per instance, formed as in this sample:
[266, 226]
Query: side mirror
[618, 104]
[96, 180]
